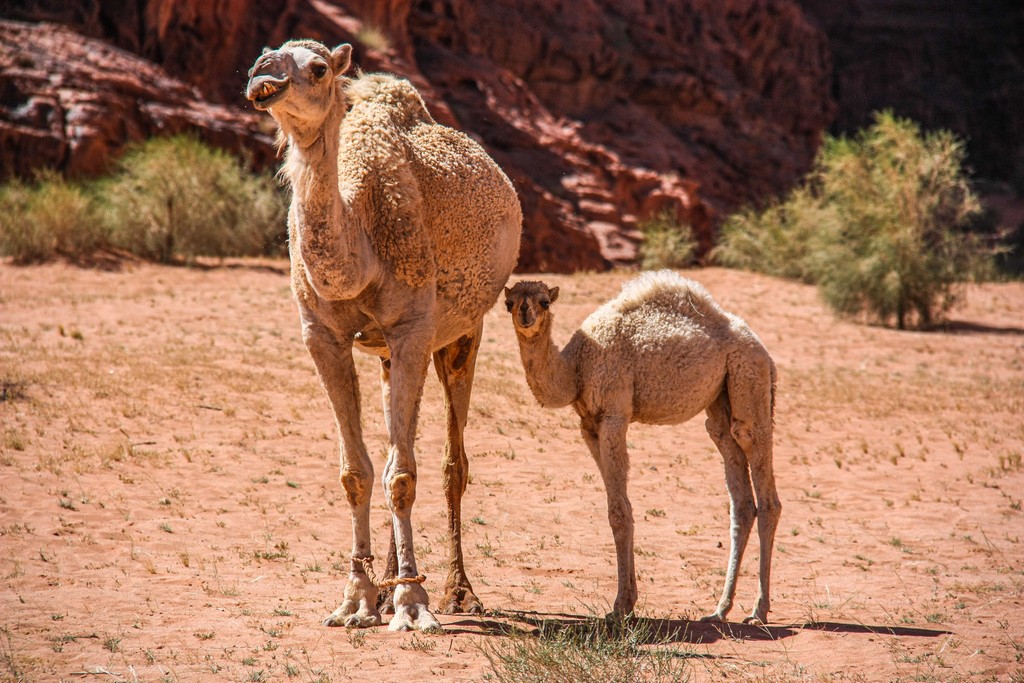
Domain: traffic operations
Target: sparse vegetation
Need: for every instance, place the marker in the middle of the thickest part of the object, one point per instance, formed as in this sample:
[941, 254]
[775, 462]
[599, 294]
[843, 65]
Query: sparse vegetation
[48, 217]
[668, 242]
[177, 198]
[170, 199]
[879, 225]
[588, 651]
[783, 239]
[418, 644]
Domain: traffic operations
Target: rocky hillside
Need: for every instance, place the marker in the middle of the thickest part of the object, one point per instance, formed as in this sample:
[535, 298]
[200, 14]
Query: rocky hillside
[602, 111]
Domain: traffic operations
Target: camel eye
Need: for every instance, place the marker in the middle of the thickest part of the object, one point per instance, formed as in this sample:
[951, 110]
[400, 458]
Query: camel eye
[319, 71]
[544, 304]
[508, 305]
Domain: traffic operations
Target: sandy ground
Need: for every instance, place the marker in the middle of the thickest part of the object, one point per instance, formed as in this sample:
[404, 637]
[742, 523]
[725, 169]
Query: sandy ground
[170, 506]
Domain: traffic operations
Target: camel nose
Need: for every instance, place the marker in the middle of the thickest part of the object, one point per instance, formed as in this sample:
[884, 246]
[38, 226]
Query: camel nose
[268, 79]
[272, 65]
[525, 317]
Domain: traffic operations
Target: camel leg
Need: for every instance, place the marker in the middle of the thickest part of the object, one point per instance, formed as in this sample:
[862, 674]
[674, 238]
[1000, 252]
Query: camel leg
[337, 371]
[455, 365]
[742, 510]
[607, 443]
[410, 355]
[751, 387]
[386, 596]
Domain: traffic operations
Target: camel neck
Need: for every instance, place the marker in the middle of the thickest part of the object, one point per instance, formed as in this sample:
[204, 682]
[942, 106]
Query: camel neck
[332, 243]
[550, 372]
[316, 150]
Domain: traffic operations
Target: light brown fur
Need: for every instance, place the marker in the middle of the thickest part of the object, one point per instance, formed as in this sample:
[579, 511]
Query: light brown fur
[659, 353]
[401, 234]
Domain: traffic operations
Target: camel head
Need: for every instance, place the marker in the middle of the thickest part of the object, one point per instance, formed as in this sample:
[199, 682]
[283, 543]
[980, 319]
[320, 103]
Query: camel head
[298, 83]
[529, 304]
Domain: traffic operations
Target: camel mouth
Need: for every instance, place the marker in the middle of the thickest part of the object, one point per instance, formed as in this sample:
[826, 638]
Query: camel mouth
[524, 321]
[263, 93]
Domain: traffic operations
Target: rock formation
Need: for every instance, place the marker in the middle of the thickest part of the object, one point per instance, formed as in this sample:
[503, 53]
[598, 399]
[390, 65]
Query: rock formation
[72, 102]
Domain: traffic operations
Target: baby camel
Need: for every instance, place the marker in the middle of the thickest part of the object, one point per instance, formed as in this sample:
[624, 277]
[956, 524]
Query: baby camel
[659, 353]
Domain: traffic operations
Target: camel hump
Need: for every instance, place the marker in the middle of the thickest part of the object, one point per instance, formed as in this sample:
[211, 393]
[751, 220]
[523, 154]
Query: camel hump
[669, 290]
[395, 94]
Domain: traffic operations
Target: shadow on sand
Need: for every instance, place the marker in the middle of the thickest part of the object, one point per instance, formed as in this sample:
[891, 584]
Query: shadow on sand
[663, 631]
[112, 260]
[968, 327]
[653, 631]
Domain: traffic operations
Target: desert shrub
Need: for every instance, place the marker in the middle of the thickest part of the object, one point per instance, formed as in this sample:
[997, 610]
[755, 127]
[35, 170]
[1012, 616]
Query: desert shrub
[784, 239]
[591, 651]
[879, 225]
[1009, 259]
[900, 201]
[48, 217]
[177, 198]
[668, 242]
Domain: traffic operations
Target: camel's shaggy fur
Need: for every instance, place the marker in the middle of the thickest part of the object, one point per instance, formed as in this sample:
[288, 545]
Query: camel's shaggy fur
[402, 233]
[659, 353]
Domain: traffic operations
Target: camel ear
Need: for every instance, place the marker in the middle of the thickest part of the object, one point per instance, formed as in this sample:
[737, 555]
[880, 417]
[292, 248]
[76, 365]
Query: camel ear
[341, 58]
[508, 292]
[553, 294]
[267, 49]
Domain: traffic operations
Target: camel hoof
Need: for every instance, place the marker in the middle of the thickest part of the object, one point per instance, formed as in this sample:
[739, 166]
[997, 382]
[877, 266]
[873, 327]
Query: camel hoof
[411, 613]
[359, 608]
[715, 618]
[755, 620]
[401, 624]
[468, 603]
[411, 619]
[622, 611]
[618, 623]
[356, 620]
[385, 599]
[615, 617]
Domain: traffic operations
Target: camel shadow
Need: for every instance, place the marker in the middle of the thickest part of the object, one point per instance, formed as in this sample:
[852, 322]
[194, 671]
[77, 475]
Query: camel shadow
[655, 631]
[837, 627]
[643, 630]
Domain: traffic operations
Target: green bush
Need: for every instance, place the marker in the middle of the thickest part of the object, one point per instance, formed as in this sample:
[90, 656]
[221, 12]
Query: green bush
[177, 198]
[48, 217]
[784, 239]
[171, 199]
[902, 201]
[879, 225]
[668, 243]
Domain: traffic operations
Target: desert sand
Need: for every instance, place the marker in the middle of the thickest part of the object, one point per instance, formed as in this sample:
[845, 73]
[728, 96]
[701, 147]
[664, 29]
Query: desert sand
[170, 506]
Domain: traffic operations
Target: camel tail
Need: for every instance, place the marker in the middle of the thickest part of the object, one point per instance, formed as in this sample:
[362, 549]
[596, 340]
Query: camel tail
[774, 379]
